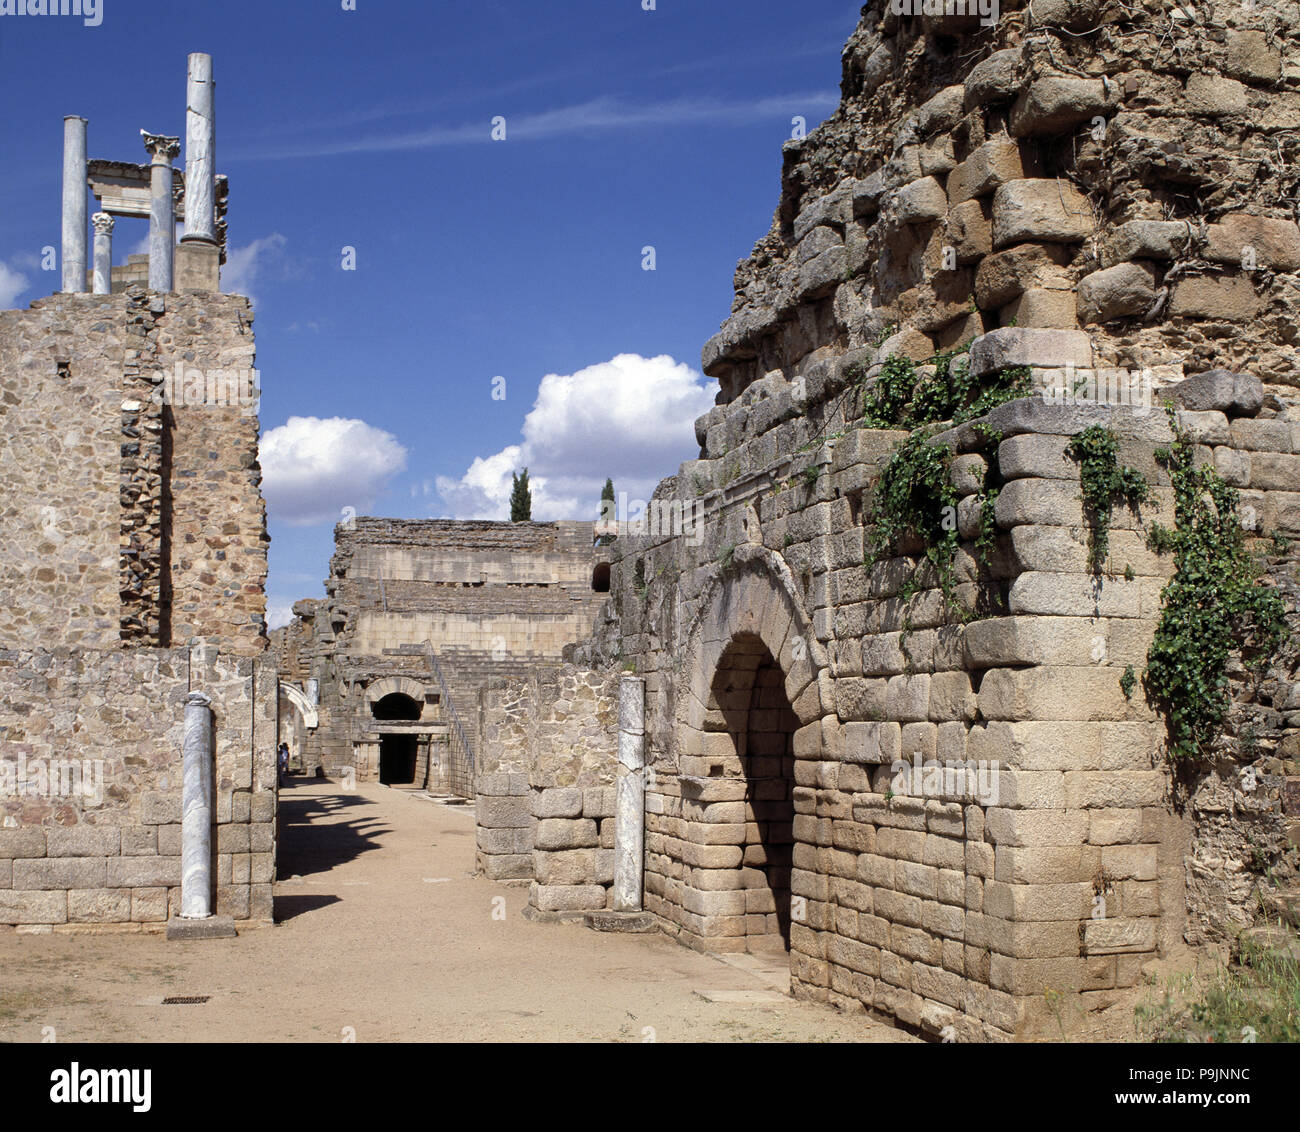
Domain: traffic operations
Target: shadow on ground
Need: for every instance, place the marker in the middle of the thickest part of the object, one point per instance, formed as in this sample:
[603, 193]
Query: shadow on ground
[314, 840]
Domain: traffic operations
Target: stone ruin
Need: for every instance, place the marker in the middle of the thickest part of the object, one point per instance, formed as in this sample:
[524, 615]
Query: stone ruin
[888, 710]
[133, 563]
[379, 680]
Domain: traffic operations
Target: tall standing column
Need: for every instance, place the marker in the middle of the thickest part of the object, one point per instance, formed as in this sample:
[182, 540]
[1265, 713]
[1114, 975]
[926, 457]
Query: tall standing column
[196, 810]
[629, 812]
[162, 210]
[74, 205]
[103, 253]
[200, 152]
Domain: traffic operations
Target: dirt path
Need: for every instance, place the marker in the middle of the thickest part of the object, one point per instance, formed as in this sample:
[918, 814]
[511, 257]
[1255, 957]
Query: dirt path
[387, 935]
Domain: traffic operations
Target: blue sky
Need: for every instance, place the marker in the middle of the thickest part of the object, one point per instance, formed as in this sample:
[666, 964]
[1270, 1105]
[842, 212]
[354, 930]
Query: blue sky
[475, 259]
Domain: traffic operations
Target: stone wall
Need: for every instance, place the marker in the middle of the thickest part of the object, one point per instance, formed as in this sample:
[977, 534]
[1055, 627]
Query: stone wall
[136, 519]
[90, 783]
[1092, 205]
[445, 605]
[1097, 164]
[132, 572]
[545, 797]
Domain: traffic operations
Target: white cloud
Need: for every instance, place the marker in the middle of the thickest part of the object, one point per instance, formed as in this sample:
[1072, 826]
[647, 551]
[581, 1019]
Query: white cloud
[312, 468]
[246, 264]
[604, 113]
[278, 613]
[12, 284]
[631, 418]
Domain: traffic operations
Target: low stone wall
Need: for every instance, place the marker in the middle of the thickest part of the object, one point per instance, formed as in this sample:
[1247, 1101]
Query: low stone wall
[545, 794]
[90, 783]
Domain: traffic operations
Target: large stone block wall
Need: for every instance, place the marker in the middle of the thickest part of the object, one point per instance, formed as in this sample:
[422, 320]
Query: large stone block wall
[447, 604]
[95, 737]
[934, 908]
[1089, 165]
[545, 794]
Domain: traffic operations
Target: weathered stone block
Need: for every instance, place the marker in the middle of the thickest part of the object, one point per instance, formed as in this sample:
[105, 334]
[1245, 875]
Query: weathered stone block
[1005, 275]
[1230, 298]
[1220, 391]
[1012, 346]
[1146, 239]
[921, 202]
[1107, 937]
[994, 79]
[83, 841]
[567, 898]
[23, 907]
[563, 833]
[99, 906]
[557, 802]
[1040, 211]
[1044, 309]
[59, 872]
[1122, 291]
[994, 163]
[144, 872]
[25, 843]
[1254, 242]
[1053, 105]
[504, 812]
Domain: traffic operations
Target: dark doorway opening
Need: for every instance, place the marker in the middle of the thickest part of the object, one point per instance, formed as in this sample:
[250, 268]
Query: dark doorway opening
[396, 707]
[397, 760]
[749, 688]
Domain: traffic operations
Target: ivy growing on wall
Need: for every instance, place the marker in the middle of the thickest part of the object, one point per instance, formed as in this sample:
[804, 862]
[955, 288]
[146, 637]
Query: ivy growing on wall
[1216, 603]
[915, 495]
[900, 398]
[1104, 484]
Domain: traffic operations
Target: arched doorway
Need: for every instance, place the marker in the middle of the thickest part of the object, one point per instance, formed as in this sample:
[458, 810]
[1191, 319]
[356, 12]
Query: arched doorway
[748, 692]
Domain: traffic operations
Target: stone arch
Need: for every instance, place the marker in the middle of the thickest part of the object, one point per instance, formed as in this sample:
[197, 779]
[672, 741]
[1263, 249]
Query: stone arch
[756, 594]
[751, 686]
[388, 685]
[297, 697]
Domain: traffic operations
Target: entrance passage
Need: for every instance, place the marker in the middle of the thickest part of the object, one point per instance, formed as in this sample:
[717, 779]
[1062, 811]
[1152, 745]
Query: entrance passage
[397, 760]
[749, 689]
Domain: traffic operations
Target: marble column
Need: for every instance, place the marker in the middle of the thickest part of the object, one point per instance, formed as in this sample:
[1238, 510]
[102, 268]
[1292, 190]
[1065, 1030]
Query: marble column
[162, 211]
[200, 152]
[103, 253]
[196, 809]
[629, 803]
[74, 205]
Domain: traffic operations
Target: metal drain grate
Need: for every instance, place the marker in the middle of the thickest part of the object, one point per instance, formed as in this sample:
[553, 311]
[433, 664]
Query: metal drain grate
[186, 1000]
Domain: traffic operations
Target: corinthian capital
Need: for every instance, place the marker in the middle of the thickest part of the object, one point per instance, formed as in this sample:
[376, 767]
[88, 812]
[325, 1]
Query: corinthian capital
[103, 224]
[160, 147]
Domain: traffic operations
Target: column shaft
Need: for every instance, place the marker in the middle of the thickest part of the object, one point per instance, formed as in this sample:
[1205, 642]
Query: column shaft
[196, 810]
[103, 254]
[200, 151]
[75, 209]
[629, 813]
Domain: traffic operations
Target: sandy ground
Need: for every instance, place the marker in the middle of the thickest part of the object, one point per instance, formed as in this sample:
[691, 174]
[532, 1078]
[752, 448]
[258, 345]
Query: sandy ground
[385, 934]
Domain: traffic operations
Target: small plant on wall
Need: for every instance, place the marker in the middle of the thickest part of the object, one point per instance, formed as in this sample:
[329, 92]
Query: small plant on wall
[1217, 603]
[1104, 483]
